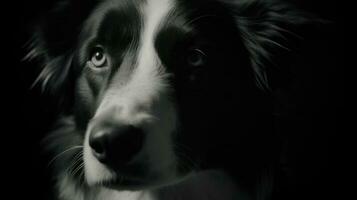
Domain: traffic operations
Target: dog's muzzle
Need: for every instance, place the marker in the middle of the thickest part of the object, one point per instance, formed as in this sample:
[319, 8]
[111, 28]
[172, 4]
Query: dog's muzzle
[115, 144]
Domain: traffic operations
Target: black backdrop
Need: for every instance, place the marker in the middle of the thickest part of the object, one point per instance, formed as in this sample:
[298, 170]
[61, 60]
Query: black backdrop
[311, 127]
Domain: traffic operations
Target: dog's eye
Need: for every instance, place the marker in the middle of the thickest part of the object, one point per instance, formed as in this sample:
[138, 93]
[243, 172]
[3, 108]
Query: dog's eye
[98, 57]
[196, 58]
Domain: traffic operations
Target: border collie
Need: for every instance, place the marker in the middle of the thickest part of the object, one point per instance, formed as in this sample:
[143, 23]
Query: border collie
[162, 99]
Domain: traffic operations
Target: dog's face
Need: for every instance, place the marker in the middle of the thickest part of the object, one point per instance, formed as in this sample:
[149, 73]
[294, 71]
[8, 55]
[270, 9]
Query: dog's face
[148, 70]
[160, 87]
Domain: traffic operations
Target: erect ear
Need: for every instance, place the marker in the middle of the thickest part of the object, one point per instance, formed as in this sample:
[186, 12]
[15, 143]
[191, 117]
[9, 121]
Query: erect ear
[267, 28]
[53, 45]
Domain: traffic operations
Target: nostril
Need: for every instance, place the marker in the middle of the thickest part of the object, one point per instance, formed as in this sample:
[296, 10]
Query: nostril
[117, 145]
[98, 144]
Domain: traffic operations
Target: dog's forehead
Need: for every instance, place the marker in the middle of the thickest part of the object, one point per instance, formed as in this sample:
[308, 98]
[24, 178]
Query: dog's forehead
[115, 18]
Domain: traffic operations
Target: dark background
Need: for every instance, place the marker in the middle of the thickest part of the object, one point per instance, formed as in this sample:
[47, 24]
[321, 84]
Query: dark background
[310, 125]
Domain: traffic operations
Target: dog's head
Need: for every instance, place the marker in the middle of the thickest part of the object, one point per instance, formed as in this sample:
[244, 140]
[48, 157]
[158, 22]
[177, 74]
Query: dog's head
[160, 87]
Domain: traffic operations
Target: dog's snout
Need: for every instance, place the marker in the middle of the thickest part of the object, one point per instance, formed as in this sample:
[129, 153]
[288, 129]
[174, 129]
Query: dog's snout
[115, 146]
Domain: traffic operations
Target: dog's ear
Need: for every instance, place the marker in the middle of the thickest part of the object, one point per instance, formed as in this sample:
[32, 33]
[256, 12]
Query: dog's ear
[267, 27]
[53, 43]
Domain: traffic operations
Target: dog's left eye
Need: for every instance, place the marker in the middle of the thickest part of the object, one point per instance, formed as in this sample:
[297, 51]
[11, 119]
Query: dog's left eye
[98, 57]
[196, 58]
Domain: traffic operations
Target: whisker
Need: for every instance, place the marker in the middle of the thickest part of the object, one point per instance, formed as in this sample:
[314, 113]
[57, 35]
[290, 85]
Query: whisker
[76, 161]
[62, 153]
[81, 178]
[77, 169]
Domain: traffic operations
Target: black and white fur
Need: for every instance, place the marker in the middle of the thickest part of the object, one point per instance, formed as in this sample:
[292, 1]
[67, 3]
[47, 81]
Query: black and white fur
[191, 74]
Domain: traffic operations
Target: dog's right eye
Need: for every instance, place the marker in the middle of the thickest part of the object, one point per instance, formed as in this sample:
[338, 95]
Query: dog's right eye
[98, 57]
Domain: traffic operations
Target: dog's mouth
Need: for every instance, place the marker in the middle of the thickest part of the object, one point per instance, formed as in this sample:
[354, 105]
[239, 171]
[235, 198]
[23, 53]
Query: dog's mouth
[127, 183]
[130, 178]
[135, 181]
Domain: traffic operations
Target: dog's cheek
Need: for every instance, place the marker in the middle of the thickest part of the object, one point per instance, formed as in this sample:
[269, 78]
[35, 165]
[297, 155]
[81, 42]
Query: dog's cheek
[87, 92]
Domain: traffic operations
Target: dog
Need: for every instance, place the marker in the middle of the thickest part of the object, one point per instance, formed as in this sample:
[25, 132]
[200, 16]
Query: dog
[162, 99]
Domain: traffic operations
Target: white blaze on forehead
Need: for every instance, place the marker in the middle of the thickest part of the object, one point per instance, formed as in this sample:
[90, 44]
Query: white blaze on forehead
[154, 14]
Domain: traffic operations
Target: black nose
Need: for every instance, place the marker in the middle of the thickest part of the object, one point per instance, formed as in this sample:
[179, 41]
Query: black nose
[117, 145]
